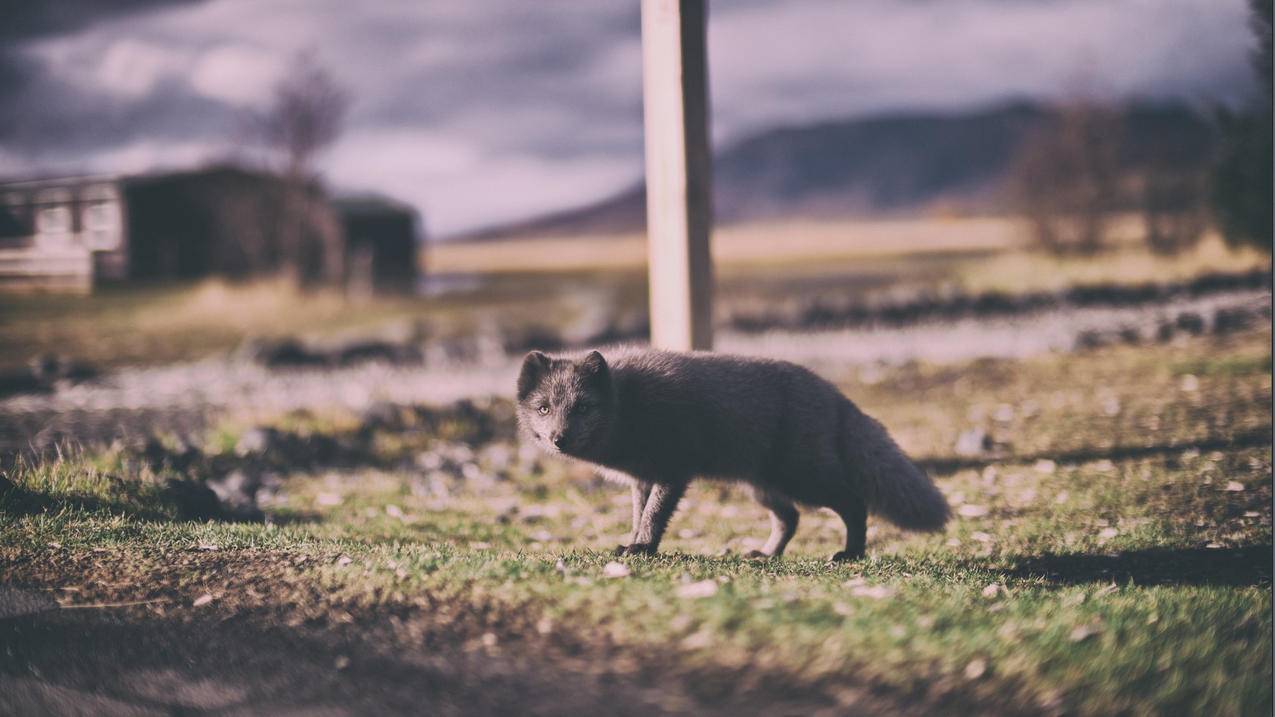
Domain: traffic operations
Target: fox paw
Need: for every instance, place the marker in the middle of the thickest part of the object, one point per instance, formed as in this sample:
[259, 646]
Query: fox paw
[758, 555]
[845, 556]
[635, 549]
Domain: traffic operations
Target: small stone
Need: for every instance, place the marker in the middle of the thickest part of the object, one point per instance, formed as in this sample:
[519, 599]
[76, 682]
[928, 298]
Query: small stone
[1234, 486]
[697, 640]
[489, 639]
[344, 560]
[1190, 383]
[1108, 533]
[1045, 466]
[872, 592]
[975, 669]
[255, 441]
[973, 442]
[328, 499]
[615, 569]
[202, 600]
[970, 510]
[697, 590]
[341, 662]
[993, 590]
[1111, 407]
[1084, 632]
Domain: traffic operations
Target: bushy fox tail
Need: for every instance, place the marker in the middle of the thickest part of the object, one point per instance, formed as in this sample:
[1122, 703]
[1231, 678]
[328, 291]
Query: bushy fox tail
[894, 487]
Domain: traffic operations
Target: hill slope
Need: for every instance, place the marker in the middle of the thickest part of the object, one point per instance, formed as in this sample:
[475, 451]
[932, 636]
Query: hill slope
[888, 164]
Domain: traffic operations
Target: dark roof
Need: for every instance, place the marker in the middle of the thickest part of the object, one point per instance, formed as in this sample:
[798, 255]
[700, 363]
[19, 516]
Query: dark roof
[370, 203]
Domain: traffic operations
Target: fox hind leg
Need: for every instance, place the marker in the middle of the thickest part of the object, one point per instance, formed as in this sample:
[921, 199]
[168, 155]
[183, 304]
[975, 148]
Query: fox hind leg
[855, 515]
[783, 524]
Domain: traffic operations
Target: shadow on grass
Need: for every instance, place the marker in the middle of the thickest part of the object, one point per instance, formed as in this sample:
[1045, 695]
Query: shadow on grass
[1250, 439]
[1236, 567]
[109, 663]
[178, 501]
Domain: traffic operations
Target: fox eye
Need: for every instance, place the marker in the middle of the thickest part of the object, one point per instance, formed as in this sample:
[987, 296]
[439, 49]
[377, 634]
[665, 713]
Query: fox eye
[544, 410]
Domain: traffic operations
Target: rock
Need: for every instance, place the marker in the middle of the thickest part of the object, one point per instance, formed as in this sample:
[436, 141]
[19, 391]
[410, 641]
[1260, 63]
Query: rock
[19, 382]
[1190, 322]
[973, 442]
[1229, 320]
[697, 590]
[256, 441]
[975, 669]
[237, 495]
[1044, 466]
[283, 353]
[1090, 339]
[615, 569]
[383, 351]
[194, 500]
[48, 368]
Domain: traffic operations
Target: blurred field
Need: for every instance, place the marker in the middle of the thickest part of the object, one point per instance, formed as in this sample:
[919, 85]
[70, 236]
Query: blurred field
[809, 246]
[553, 283]
[1112, 555]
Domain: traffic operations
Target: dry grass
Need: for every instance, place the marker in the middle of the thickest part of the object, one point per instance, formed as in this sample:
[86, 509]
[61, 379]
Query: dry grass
[764, 243]
[982, 253]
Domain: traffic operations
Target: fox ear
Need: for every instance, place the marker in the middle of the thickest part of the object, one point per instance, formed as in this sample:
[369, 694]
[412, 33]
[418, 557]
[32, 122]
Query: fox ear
[534, 368]
[594, 367]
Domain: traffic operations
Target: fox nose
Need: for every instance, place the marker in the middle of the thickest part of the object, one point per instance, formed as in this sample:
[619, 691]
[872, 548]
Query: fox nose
[556, 439]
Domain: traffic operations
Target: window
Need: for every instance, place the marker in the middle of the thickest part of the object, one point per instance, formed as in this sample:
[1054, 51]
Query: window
[53, 220]
[101, 224]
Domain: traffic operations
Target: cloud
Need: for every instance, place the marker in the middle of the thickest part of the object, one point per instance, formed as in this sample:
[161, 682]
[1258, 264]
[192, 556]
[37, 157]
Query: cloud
[237, 74]
[835, 59]
[481, 111]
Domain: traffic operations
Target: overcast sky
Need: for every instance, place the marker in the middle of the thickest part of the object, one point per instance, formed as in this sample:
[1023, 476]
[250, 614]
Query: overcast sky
[483, 111]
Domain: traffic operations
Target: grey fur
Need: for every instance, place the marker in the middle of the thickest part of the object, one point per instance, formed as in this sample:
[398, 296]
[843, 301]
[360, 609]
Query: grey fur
[659, 419]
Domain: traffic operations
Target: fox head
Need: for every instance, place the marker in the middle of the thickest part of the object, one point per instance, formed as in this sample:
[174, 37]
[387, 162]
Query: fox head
[566, 406]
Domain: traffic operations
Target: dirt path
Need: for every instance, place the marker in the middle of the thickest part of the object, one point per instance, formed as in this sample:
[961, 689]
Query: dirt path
[184, 398]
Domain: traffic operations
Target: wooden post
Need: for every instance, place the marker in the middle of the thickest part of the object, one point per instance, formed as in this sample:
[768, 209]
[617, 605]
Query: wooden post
[679, 211]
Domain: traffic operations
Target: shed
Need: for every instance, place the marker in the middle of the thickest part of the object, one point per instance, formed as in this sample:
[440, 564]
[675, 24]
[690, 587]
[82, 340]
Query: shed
[382, 243]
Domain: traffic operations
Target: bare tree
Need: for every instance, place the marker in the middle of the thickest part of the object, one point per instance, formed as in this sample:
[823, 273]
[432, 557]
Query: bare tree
[1173, 211]
[304, 118]
[1066, 178]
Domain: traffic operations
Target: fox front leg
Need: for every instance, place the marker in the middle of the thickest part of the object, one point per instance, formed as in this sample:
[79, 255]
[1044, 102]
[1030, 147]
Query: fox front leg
[640, 490]
[660, 505]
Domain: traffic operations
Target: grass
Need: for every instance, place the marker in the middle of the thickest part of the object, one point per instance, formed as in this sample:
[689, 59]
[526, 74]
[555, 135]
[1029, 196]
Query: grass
[1115, 557]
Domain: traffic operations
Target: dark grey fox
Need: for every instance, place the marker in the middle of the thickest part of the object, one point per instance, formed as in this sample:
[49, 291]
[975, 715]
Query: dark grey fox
[658, 419]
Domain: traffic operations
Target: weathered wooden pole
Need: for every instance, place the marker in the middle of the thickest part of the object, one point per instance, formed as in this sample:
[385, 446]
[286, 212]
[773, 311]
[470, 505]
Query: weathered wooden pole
[679, 209]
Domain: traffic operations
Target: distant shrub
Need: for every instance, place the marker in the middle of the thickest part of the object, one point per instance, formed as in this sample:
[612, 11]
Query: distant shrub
[1242, 185]
[1066, 177]
[1173, 210]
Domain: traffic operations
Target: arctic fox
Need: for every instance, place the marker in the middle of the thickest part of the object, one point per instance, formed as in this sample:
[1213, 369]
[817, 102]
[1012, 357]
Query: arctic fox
[658, 419]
